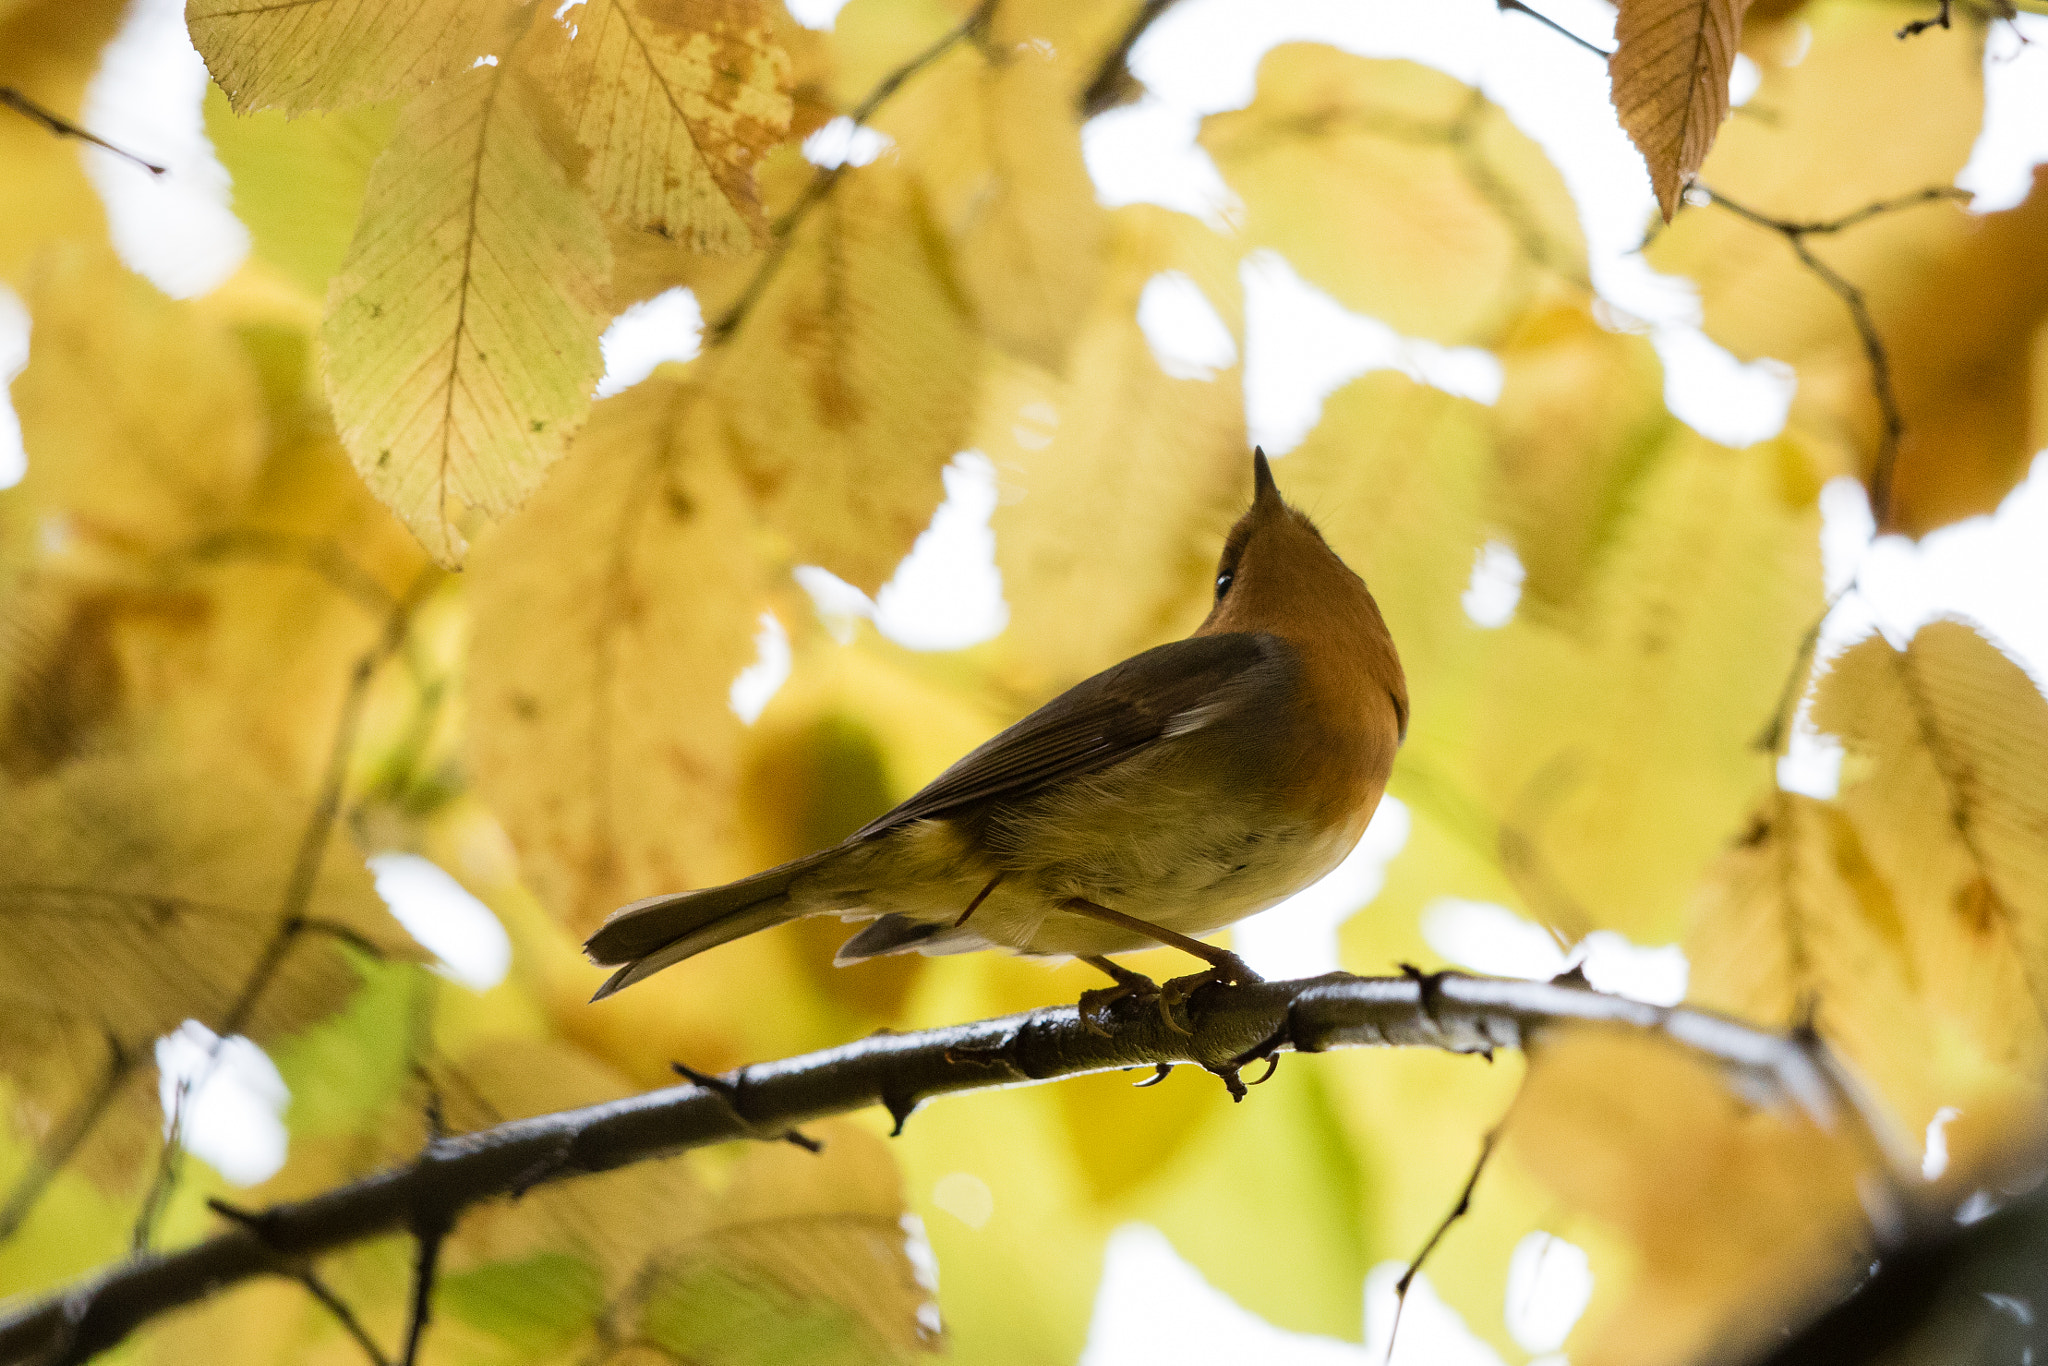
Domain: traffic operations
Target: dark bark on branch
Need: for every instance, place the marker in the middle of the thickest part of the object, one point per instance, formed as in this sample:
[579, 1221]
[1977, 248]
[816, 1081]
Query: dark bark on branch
[1232, 1027]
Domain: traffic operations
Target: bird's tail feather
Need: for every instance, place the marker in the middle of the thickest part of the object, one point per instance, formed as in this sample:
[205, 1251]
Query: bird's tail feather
[649, 935]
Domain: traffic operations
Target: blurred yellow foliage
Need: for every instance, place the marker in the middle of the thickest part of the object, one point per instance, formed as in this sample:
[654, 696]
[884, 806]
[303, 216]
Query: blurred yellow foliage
[246, 641]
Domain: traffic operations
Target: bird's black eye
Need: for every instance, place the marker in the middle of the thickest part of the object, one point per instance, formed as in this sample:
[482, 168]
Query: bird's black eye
[1223, 584]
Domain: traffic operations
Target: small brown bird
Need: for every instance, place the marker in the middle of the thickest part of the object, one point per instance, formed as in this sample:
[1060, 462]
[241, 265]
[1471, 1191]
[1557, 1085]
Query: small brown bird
[1178, 792]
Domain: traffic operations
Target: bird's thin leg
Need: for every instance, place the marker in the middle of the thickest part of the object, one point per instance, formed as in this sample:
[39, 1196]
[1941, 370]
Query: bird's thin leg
[1095, 1004]
[1224, 966]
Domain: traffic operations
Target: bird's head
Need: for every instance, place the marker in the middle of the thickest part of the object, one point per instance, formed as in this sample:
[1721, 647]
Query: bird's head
[1278, 575]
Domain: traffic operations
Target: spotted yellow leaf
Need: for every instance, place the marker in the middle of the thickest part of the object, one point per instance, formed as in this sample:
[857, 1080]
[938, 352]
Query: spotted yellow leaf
[304, 55]
[675, 100]
[461, 332]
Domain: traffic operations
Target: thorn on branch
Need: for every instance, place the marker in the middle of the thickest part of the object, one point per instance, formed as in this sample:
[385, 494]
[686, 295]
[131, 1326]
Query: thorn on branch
[728, 1094]
[65, 128]
[900, 1109]
[1458, 1211]
[1160, 1072]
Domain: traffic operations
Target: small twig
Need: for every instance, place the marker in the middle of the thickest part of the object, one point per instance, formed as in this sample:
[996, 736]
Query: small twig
[782, 232]
[65, 128]
[293, 921]
[343, 1315]
[428, 1234]
[729, 1092]
[1516, 5]
[1458, 1211]
[1874, 352]
[66, 1139]
[1919, 26]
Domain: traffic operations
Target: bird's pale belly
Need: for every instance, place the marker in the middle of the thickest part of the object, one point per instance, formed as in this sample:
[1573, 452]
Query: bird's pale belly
[1193, 865]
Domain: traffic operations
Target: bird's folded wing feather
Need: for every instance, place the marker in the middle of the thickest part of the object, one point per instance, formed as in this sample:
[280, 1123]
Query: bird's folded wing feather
[1163, 692]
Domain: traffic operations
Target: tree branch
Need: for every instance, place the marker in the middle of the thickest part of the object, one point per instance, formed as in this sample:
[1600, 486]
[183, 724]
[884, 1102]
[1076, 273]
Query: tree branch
[1232, 1027]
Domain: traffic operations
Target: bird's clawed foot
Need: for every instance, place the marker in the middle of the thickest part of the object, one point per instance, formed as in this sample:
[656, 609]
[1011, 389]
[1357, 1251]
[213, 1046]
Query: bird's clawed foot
[1224, 969]
[1095, 1004]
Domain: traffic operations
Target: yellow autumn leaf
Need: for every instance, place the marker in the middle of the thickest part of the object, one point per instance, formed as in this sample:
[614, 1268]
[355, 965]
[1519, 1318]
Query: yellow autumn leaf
[675, 100]
[1793, 922]
[306, 55]
[1950, 738]
[1466, 215]
[1733, 1212]
[611, 616]
[142, 890]
[997, 144]
[1670, 69]
[461, 332]
[1064, 528]
[851, 382]
[141, 418]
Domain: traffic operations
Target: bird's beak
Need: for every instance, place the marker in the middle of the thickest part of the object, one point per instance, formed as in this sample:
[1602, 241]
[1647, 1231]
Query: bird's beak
[1263, 486]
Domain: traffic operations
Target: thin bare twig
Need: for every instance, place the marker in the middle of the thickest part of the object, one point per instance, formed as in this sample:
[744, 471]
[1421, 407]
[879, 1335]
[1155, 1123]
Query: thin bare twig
[428, 1236]
[343, 1315]
[1874, 352]
[1919, 26]
[65, 128]
[1231, 1026]
[1457, 1212]
[64, 1141]
[293, 922]
[782, 232]
[1518, 7]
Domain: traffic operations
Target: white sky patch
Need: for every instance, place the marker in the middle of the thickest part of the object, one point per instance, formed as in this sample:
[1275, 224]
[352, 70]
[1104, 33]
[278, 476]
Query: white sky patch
[445, 918]
[14, 329]
[1743, 79]
[177, 228]
[756, 684]
[966, 1197]
[1484, 937]
[1298, 937]
[1145, 153]
[1496, 587]
[1188, 339]
[1723, 399]
[948, 594]
[817, 14]
[1934, 1160]
[839, 604]
[1812, 762]
[1301, 345]
[1988, 569]
[669, 326]
[2014, 138]
[842, 142]
[1550, 1282]
[234, 1114]
[1432, 1333]
[1153, 1309]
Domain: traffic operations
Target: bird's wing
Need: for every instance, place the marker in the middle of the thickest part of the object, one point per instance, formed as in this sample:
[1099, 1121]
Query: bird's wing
[1163, 692]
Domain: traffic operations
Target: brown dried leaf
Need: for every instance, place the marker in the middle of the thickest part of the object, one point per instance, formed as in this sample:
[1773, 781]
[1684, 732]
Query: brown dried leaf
[1952, 740]
[675, 100]
[852, 381]
[307, 55]
[1670, 69]
[610, 618]
[461, 332]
